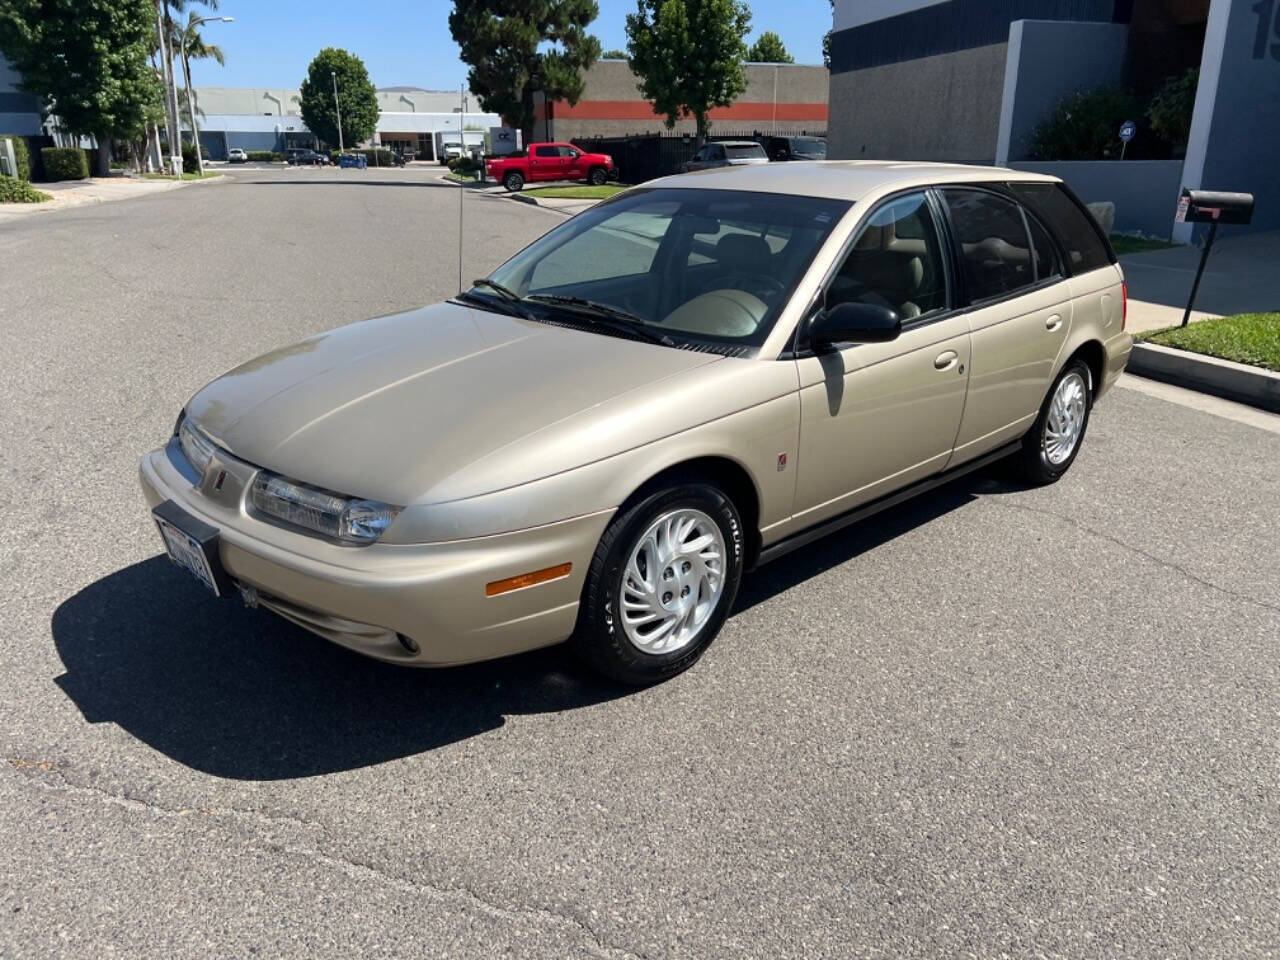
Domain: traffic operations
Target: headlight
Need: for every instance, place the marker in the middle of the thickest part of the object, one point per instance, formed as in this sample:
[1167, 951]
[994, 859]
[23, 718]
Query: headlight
[343, 518]
[196, 447]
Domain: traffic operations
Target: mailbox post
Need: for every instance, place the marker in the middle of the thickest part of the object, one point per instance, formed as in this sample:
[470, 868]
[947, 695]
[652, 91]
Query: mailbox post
[1212, 207]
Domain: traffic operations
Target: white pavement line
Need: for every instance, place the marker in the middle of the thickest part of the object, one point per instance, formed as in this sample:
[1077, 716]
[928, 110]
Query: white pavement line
[1204, 402]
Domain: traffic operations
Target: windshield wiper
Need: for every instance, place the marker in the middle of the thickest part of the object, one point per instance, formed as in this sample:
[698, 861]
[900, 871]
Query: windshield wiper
[615, 317]
[505, 292]
[512, 301]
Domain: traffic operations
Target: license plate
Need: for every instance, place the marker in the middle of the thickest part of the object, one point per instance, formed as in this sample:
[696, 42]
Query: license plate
[196, 551]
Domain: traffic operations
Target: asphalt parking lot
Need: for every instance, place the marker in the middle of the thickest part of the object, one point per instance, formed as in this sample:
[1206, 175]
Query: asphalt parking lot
[993, 722]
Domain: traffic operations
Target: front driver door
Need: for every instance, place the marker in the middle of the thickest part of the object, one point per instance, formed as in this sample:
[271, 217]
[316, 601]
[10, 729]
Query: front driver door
[878, 416]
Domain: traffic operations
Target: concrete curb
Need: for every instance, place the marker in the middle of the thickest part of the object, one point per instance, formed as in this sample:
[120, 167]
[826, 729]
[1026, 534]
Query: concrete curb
[1222, 378]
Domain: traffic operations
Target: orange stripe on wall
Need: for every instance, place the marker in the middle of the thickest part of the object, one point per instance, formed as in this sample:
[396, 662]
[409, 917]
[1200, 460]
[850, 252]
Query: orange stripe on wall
[643, 110]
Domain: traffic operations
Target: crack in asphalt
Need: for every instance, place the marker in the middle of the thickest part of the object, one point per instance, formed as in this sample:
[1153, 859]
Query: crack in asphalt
[1159, 561]
[44, 775]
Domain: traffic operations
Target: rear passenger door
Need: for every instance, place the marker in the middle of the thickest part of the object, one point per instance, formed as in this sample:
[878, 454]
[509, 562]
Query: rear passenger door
[545, 163]
[1019, 301]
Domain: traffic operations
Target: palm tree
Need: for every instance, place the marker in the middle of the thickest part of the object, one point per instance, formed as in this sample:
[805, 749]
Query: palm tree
[186, 41]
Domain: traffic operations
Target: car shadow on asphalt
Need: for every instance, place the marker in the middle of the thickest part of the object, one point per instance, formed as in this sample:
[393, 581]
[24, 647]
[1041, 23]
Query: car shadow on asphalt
[244, 694]
[844, 545]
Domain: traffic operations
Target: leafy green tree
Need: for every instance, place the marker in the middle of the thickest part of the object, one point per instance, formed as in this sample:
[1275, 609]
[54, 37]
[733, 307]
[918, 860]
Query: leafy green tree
[88, 59]
[614, 54]
[357, 97]
[688, 55]
[769, 48]
[826, 39]
[515, 47]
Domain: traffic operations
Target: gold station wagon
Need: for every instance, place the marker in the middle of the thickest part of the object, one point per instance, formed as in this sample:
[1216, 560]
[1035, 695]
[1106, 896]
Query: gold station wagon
[596, 441]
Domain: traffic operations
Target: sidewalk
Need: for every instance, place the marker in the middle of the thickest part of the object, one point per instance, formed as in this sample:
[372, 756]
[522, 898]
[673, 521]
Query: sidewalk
[74, 193]
[1240, 277]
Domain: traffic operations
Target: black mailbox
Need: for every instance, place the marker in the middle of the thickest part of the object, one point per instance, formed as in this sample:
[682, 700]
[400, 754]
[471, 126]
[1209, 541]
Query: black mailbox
[1214, 206]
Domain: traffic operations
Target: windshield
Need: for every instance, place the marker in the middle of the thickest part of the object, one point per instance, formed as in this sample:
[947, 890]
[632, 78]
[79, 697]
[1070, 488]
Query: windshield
[712, 267]
[809, 146]
[748, 151]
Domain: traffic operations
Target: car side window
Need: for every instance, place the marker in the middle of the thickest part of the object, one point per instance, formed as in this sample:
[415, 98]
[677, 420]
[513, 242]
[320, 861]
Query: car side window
[1081, 238]
[717, 152]
[995, 250]
[547, 152]
[568, 152]
[1045, 254]
[896, 261]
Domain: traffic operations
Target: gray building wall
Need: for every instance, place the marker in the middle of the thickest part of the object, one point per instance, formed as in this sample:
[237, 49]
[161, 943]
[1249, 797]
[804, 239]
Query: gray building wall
[1145, 192]
[942, 107]
[1235, 132]
[19, 110]
[1047, 61]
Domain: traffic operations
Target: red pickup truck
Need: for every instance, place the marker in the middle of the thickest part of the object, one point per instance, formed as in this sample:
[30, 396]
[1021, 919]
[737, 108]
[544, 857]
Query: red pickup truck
[551, 161]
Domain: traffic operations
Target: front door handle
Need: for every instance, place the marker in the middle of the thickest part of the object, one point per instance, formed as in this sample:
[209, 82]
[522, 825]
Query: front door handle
[1053, 323]
[945, 360]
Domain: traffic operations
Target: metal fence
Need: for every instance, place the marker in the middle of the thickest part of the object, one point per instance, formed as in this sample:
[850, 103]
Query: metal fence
[646, 156]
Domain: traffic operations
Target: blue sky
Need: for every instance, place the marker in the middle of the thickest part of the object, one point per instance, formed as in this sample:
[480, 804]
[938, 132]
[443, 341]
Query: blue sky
[407, 41]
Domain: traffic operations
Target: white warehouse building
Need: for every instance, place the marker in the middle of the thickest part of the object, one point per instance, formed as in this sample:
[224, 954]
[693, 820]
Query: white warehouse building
[409, 119]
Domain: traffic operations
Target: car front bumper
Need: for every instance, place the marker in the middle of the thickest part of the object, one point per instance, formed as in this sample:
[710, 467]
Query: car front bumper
[367, 597]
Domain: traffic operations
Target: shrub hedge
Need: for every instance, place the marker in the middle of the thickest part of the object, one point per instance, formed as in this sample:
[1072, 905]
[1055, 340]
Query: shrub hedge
[264, 156]
[188, 157]
[21, 154]
[13, 190]
[65, 163]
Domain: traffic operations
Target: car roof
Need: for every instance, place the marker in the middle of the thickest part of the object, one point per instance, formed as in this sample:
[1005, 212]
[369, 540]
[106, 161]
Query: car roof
[735, 143]
[842, 179]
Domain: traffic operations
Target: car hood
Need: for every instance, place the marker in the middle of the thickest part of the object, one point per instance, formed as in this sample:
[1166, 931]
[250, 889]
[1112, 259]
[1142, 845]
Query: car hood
[403, 408]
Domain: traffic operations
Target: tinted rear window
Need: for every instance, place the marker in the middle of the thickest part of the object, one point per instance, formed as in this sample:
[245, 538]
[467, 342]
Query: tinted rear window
[755, 151]
[1080, 236]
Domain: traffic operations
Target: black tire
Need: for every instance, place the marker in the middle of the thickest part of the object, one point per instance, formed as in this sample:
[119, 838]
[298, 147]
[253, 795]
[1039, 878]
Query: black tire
[598, 176]
[1032, 463]
[513, 181]
[599, 639]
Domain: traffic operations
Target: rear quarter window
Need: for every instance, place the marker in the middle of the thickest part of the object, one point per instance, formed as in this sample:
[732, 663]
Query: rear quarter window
[1081, 237]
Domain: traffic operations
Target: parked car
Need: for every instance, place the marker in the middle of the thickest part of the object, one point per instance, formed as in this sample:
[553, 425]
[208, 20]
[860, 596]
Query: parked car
[726, 153]
[356, 160]
[661, 393]
[236, 155]
[301, 156]
[795, 148]
[450, 151]
[551, 161]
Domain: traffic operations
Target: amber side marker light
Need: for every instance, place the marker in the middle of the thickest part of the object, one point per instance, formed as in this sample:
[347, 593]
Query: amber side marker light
[527, 579]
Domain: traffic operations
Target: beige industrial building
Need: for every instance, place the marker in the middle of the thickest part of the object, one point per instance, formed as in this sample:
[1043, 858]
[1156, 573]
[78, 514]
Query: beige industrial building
[782, 97]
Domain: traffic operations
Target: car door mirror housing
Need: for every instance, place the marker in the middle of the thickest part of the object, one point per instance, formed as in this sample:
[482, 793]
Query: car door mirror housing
[854, 323]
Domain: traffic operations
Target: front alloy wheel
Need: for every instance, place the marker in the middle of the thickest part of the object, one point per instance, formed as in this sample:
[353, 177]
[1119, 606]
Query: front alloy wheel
[598, 177]
[661, 584]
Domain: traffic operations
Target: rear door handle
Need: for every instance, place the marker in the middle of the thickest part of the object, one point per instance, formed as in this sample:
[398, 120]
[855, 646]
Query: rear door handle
[1053, 323]
[945, 360]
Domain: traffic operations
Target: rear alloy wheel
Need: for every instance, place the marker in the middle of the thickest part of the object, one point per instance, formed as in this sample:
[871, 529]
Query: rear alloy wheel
[597, 177]
[514, 182]
[661, 584]
[1051, 445]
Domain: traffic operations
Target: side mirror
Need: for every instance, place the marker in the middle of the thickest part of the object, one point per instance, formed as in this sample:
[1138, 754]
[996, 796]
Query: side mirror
[854, 323]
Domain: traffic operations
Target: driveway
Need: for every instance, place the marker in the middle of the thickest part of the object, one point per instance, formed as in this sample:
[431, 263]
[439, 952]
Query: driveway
[994, 721]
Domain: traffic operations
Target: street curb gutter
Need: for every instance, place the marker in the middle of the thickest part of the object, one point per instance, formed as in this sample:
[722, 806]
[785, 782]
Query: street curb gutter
[1222, 378]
